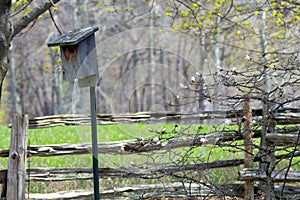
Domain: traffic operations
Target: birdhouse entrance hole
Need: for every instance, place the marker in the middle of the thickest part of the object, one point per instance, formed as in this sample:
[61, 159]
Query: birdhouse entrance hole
[70, 51]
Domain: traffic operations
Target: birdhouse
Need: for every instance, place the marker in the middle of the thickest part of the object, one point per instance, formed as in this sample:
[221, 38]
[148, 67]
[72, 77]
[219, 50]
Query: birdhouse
[79, 55]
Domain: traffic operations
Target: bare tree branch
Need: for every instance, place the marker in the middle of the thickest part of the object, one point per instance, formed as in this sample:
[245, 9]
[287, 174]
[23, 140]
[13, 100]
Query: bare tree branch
[31, 16]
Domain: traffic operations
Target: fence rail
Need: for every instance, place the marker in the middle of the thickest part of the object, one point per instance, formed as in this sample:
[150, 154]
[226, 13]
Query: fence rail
[285, 136]
[174, 190]
[148, 191]
[277, 176]
[65, 174]
[283, 116]
[163, 191]
[130, 146]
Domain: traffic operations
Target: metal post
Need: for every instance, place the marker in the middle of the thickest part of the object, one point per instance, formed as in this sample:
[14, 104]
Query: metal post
[94, 143]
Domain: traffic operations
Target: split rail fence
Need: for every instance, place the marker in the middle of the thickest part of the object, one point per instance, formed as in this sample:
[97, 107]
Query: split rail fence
[13, 179]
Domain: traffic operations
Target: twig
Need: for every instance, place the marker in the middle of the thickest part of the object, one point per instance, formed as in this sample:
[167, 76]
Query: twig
[290, 164]
[54, 22]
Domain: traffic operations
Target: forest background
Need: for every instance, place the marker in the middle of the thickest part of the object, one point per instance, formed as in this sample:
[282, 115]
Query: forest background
[197, 45]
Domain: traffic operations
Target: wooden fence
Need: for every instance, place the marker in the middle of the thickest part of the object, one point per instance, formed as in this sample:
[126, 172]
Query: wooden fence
[13, 179]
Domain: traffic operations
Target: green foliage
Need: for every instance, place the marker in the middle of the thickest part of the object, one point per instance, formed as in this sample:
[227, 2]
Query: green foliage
[21, 7]
[200, 15]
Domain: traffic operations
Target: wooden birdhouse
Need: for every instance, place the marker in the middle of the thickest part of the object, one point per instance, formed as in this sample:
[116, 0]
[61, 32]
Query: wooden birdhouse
[79, 56]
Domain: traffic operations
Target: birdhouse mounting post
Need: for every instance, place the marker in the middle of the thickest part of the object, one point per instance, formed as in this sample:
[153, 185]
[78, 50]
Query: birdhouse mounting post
[94, 143]
[79, 61]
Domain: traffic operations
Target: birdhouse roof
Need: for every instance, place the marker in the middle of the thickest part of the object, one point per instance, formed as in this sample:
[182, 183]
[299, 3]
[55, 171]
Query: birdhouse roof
[73, 37]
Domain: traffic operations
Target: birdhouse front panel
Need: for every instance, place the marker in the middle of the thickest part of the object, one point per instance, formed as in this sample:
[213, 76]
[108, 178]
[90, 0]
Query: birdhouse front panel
[70, 61]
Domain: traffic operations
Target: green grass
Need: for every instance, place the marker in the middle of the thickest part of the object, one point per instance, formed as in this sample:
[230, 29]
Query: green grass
[4, 137]
[5, 133]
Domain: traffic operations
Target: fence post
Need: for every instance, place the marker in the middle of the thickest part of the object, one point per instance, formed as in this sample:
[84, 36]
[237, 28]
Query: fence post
[249, 189]
[16, 173]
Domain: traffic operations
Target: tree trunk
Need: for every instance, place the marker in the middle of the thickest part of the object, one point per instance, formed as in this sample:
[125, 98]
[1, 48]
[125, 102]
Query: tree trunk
[177, 68]
[13, 84]
[163, 79]
[217, 63]
[151, 60]
[136, 93]
[203, 56]
[249, 187]
[267, 153]
[4, 40]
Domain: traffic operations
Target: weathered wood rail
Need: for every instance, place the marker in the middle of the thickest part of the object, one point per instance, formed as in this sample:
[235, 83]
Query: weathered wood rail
[277, 176]
[131, 146]
[175, 190]
[65, 174]
[285, 136]
[149, 191]
[280, 139]
[286, 116]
